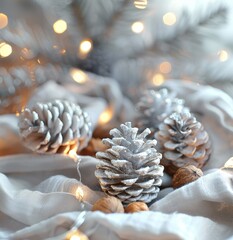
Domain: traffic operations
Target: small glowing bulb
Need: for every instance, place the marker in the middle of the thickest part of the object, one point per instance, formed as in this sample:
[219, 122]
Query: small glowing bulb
[63, 51]
[5, 50]
[78, 75]
[223, 55]
[73, 155]
[169, 19]
[165, 67]
[137, 27]
[140, 4]
[76, 235]
[3, 20]
[158, 79]
[79, 193]
[85, 46]
[60, 26]
[106, 116]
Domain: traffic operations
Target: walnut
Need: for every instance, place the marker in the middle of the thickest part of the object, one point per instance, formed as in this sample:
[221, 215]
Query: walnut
[185, 175]
[136, 207]
[108, 205]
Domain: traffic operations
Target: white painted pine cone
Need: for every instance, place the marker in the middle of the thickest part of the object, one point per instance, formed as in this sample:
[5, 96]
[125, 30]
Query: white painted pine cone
[55, 127]
[129, 169]
[155, 106]
[183, 141]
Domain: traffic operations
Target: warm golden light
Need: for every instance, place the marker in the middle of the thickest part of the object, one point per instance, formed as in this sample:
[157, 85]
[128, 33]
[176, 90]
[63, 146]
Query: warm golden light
[158, 79]
[76, 235]
[5, 50]
[106, 116]
[85, 46]
[60, 26]
[3, 20]
[63, 51]
[137, 27]
[78, 75]
[165, 67]
[223, 55]
[140, 4]
[79, 193]
[73, 155]
[169, 19]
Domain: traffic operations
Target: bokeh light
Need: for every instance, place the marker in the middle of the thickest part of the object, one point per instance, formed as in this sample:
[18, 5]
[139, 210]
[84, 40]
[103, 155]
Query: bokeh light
[5, 50]
[78, 75]
[106, 116]
[165, 67]
[3, 20]
[169, 19]
[60, 26]
[223, 55]
[158, 79]
[140, 4]
[137, 27]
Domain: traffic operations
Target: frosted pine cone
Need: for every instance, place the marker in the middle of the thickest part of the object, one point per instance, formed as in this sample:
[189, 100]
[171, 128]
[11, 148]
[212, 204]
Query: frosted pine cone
[183, 141]
[155, 106]
[55, 127]
[129, 169]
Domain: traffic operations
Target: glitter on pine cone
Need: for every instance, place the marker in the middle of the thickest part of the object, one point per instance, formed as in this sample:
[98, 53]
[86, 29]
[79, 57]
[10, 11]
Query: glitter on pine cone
[55, 127]
[183, 140]
[129, 169]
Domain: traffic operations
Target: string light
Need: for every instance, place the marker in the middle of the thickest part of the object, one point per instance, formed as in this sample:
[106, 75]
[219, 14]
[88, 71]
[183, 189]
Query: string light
[106, 116]
[76, 235]
[137, 27]
[165, 67]
[5, 50]
[85, 47]
[78, 75]
[79, 193]
[63, 51]
[223, 55]
[60, 26]
[158, 79]
[169, 19]
[3, 20]
[140, 4]
[73, 155]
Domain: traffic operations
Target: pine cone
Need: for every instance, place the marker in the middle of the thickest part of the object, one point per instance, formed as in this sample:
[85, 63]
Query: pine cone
[55, 127]
[183, 141]
[129, 169]
[155, 106]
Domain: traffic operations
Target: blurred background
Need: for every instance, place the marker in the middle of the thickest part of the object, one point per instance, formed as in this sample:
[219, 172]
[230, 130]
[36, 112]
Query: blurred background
[139, 43]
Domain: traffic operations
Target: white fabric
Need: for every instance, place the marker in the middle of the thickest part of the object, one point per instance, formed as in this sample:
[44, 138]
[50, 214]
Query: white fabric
[37, 192]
